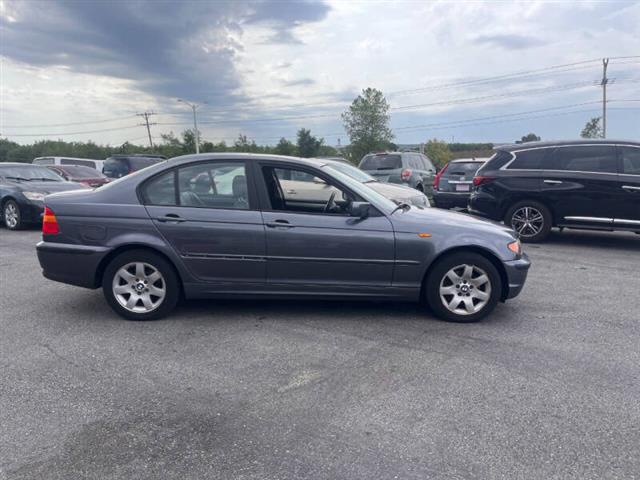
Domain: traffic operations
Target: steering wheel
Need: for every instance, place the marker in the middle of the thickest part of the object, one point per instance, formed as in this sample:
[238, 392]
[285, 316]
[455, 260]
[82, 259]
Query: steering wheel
[330, 203]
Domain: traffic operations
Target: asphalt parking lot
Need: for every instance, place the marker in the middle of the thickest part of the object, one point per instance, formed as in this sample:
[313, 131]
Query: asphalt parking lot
[547, 387]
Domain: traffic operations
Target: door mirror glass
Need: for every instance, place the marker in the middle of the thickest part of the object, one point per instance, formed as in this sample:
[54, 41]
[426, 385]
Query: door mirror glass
[360, 209]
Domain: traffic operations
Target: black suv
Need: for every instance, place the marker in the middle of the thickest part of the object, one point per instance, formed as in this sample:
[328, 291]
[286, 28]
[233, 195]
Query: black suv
[117, 166]
[586, 184]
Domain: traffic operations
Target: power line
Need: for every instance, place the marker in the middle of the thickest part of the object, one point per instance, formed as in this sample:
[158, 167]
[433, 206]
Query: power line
[106, 120]
[70, 133]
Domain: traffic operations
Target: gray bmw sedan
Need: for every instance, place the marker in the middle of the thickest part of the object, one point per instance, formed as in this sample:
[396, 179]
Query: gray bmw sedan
[231, 226]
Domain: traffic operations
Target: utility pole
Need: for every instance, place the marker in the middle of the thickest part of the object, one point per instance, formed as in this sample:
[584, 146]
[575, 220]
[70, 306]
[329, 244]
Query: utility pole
[146, 123]
[194, 107]
[604, 82]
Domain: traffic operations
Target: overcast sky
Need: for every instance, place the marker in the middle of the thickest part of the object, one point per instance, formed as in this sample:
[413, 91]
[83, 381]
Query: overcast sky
[81, 70]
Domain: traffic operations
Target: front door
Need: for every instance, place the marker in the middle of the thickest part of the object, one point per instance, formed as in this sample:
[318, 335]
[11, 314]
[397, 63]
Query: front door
[579, 182]
[628, 188]
[313, 242]
[205, 211]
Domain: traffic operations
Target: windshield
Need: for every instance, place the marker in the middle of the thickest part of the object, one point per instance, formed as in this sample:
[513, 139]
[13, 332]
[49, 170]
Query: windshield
[82, 172]
[29, 172]
[352, 171]
[381, 162]
[380, 201]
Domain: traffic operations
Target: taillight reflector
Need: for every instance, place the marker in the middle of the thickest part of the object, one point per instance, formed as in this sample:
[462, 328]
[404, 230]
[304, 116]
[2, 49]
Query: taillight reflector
[477, 181]
[406, 174]
[49, 223]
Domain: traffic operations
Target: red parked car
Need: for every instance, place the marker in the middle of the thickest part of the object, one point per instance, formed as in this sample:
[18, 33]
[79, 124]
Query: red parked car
[81, 174]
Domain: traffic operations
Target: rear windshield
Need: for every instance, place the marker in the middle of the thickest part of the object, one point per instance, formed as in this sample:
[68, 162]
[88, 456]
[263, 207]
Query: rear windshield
[138, 163]
[79, 171]
[29, 173]
[381, 162]
[462, 169]
[119, 167]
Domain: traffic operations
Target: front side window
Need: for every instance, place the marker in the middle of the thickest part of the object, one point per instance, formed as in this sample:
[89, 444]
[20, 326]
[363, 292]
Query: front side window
[529, 159]
[214, 185]
[630, 160]
[597, 158]
[316, 196]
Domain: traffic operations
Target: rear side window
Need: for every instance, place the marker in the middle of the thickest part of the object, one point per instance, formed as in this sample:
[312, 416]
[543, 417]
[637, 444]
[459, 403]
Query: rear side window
[630, 160]
[214, 185]
[381, 162]
[497, 161]
[160, 190]
[597, 158]
[427, 163]
[529, 159]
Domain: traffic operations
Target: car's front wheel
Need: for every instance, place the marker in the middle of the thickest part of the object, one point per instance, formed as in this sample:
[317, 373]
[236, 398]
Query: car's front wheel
[463, 287]
[140, 285]
[11, 215]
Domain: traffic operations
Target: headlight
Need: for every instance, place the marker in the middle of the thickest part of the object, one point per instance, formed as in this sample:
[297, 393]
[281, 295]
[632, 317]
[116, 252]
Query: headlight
[34, 196]
[515, 247]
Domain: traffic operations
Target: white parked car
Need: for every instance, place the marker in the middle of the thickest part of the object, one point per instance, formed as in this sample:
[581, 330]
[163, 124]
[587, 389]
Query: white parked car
[85, 162]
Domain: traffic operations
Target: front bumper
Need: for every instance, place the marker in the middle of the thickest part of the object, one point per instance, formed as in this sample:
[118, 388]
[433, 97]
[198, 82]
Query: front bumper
[516, 271]
[73, 264]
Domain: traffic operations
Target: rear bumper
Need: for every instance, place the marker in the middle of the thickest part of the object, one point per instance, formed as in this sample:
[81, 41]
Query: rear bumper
[72, 264]
[450, 199]
[485, 205]
[517, 271]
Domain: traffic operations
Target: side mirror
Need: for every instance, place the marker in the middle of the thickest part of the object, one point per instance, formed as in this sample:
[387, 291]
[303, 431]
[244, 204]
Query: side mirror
[360, 209]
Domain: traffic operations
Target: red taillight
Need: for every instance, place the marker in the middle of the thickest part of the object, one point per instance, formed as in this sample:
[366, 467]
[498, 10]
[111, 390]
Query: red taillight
[436, 181]
[480, 180]
[406, 174]
[49, 223]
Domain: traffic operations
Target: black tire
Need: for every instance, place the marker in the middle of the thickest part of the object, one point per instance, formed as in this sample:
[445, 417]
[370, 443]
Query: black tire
[436, 278]
[168, 279]
[10, 219]
[528, 235]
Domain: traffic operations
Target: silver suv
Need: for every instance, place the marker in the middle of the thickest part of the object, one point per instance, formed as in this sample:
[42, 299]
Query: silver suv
[409, 168]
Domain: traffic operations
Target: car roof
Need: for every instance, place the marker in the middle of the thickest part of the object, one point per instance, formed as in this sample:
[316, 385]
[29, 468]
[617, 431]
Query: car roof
[21, 164]
[470, 160]
[549, 143]
[247, 156]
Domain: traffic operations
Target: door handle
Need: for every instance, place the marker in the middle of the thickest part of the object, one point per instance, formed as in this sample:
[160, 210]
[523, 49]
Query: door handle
[279, 224]
[552, 182]
[172, 218]
[291, 191]
[630, 189]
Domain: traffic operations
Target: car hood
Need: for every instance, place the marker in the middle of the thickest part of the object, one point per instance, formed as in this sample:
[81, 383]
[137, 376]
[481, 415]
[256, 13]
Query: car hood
[417, 220]
[391, 190]
[49, 187]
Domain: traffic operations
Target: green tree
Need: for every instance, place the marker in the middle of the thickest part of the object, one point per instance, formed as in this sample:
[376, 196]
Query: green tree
[285, 147]
[530, 137]
[438, 152]
[367, 123]
[592, 129]
[308, 145]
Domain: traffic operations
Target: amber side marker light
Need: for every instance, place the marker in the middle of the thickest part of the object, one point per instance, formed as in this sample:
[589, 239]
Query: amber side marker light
[515, 247]
[49, 223]
[424, 235]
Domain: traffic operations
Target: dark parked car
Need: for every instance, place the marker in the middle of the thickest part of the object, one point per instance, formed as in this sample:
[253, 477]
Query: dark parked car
[408, 168]
[223, 225]
[394, 192]
[452, 185]
[22, 190]
[118, 166]
[585, 184]
[77, 173]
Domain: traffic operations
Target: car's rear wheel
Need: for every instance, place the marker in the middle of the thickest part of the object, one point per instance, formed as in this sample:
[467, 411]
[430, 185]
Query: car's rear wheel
[463, 287]
[11, 215]
[532, 220]
[140, 285]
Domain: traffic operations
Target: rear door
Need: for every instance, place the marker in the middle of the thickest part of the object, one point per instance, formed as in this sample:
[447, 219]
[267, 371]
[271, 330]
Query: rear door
[208, 213]
[628, 188]
[580, 182]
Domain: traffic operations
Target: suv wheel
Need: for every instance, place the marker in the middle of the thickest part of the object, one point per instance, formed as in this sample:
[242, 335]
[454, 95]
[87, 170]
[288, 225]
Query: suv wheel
[140, 285]
[532, 221]
[463, 287]
[11, 215]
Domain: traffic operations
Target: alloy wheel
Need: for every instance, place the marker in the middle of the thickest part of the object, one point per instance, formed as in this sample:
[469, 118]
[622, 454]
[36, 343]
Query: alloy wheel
[11, 215]
[465, 289]
[139, 287]
[527, 221]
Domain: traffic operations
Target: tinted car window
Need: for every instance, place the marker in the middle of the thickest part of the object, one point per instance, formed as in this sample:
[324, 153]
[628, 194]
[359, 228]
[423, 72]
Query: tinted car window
[461, 169]
[115, 167]
[630, 160]
[529, 159]
[80, 171]
[29, 172]
[214, 185]
[597, 158]
[381, 162]
[161, 190]
[138, 163]
[44, 161]
[73, 161]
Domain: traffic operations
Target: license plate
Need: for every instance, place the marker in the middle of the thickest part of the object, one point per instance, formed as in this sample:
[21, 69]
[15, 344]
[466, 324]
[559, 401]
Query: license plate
[462, 188]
